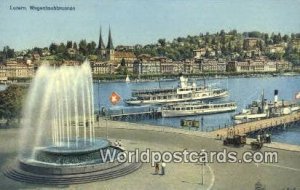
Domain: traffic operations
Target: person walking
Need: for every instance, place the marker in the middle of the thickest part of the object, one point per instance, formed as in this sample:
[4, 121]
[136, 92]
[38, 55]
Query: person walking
[156, 168]
[163, 168]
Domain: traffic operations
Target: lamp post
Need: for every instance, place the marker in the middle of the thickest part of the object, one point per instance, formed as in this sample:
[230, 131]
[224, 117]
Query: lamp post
[106, 128]
[202, 173]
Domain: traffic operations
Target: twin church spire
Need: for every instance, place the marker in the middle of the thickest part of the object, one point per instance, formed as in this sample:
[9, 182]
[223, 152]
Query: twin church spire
[101, 45]
[108, 52]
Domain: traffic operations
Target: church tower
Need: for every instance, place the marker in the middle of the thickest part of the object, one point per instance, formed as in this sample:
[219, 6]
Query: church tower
[110, 47]
[101, 46]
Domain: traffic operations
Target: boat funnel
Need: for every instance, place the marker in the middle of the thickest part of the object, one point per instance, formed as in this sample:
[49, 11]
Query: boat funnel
[275, 96]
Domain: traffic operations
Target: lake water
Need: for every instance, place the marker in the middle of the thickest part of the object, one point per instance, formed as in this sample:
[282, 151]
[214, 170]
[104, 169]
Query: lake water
[242, 90]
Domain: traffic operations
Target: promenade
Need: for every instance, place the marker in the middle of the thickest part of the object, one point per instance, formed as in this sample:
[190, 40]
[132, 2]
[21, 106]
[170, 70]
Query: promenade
[284, 174]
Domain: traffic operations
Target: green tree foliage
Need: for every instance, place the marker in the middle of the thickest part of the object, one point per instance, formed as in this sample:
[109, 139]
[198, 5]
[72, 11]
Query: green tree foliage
[37, 50]
[69, 44]
[83, 47]
[61, 48]
[224, 44]
[122, 69]
[75, 46]
[11, 101]
[53, 48]
[123, 63]
[91, 48]
[255, 34]
[162, 42]
[8, 52]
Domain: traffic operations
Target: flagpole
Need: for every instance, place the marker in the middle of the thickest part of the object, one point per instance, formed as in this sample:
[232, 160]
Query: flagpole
[114, 99]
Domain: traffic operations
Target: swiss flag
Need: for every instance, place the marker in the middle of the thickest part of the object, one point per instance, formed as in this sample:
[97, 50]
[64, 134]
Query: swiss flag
[114, 98]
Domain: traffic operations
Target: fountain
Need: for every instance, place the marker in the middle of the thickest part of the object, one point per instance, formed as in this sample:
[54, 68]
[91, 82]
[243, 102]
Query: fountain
[58, 143]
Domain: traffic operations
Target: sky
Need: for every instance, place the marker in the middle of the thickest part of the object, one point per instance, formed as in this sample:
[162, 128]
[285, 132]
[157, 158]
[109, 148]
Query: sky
[140, 21]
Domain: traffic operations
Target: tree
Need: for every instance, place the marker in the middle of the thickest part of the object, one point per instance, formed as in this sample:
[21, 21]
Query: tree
[162, 42]
[75, 45]
[91, 48]
[285, 38]
[61, 48]
[123, 63]
[53, 48]
[8, 52]
[11, 101]
[37, 50]
[122, 69]
[222, 33]
[261, 45]
[233, 32]
[254, 34]
[69, 44]
[230, 48]
[83, 47]
[266, 38]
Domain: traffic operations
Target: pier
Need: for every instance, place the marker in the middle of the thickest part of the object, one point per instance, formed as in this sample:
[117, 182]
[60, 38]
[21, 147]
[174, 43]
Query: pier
[259, 125]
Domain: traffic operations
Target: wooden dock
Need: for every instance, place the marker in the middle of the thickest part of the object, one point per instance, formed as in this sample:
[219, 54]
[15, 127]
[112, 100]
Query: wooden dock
[254, 126]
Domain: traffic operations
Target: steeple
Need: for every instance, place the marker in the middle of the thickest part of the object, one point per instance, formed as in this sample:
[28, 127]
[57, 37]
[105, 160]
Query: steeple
[110, 42]
[101, 44]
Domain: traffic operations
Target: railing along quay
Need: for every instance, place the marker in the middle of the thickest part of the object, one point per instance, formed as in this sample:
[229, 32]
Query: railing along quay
[253, 126]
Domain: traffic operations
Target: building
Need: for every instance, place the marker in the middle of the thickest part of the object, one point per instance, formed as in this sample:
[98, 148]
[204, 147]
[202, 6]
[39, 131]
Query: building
[283, 65]
[199, 53]
[154, 65]
[108, 53]
[214, 66]
[189, 66]
[296, 43]
[277, 48]
[14, 69]
[127, 56]
[251, 43]
[251, 66]
[168, 67]
[211, 52]
[146, 67]
[102, 68]
[71, 63]
[2, 72]
[144, 57]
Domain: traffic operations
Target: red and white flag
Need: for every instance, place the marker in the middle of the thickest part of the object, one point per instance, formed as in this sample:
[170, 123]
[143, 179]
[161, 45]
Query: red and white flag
[297, 96]
[114, 98]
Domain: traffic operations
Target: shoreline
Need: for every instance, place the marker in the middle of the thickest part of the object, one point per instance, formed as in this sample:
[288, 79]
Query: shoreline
[169, 77]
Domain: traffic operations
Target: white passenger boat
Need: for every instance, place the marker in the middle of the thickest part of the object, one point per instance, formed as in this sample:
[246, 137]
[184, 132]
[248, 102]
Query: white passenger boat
[184, 92]
[196, 108]
[248, 115]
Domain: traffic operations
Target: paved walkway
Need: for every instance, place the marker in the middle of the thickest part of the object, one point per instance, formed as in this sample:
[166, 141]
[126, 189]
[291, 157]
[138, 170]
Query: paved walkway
[284, 174]
[136, 126]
